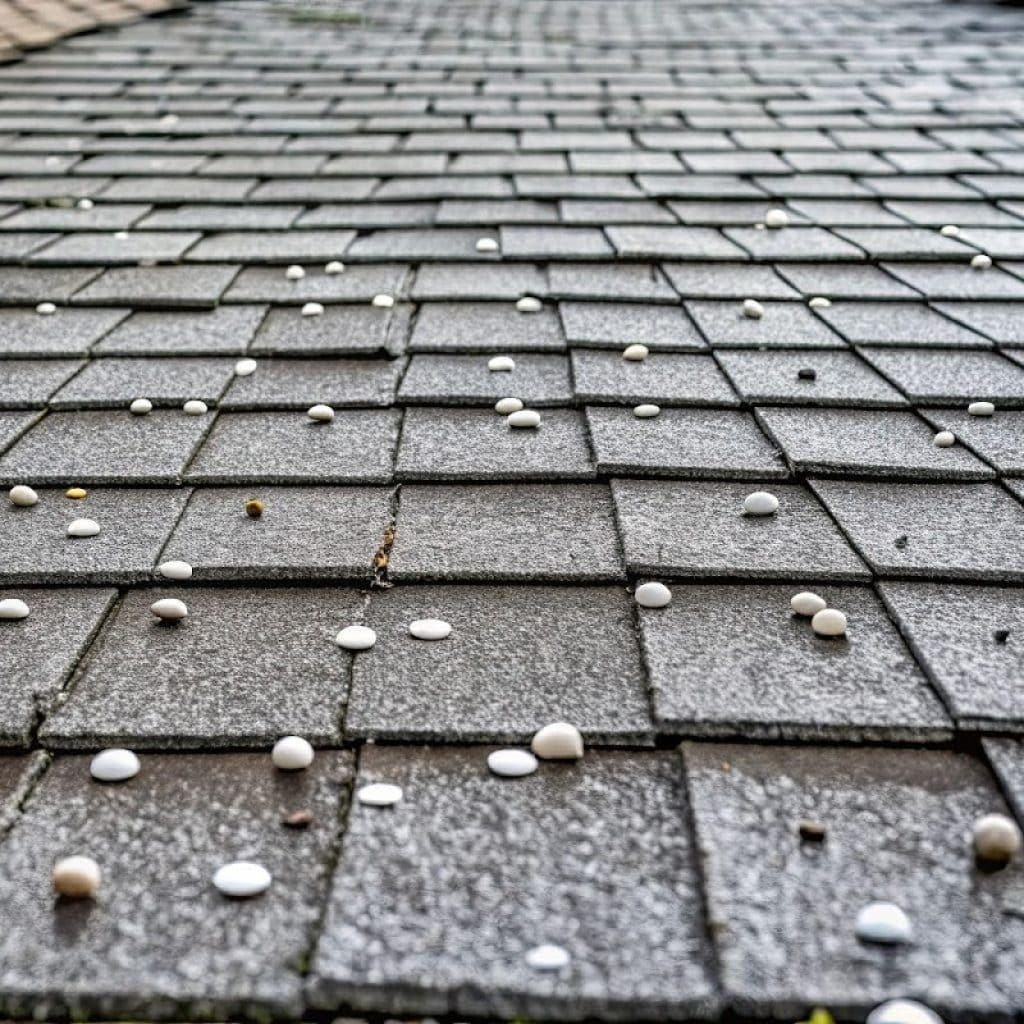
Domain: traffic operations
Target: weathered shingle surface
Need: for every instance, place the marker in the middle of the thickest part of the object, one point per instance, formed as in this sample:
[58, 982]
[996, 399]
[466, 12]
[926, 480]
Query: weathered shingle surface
[428, 165]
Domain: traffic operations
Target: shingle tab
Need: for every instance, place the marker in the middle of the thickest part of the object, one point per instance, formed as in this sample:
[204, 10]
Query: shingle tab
[484, 327]
[538, 380]
[784, 324]
[662, 378]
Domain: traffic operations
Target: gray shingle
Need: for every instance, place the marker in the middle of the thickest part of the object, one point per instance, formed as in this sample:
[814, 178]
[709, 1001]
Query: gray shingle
[657, 242]
[634, 282]
[613, 211]
[226, 217]
[618, 324]
[367, 215]
[554, 243]
[289, 246]
[934, 213]
[22, 285]
[907, 243]
[300, 383]
[172, 287]
[945, 376]
[897, 323]
[527, 532]
[715, 539]
[339, 330]
[495, 211]
[775, 678]
[152, 189]
[662, 378]
[572, 653]
[957, 281]
[356, 284]
[28, 383]
[642, 887]
[102, 217]
[998, 439]
[794, 243]
[844, 281]
[1000, 321]
[479, 281]
[104, 248]
[784, 324]
[68, 332]
[851, 212]
[484, 327]
[226, 330]
[417, 244]
[727, 281]
[539, 380]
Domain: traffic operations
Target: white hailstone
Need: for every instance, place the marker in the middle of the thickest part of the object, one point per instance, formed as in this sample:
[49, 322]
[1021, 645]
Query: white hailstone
[819, 302]
[241, 879]
[646, 412]
[46, 308]
[981, 262]
[13, 608]
[652, 595]
[524, 419]
[175, 570]
[121, 236]
[486, 245]
[23, 496]
[169, 608]
[776, 218]
[504, 406]
[334, 267]
[114, 764]
[558, 741]
[883, 922]
[903, 1011]
[829, 622]
[996, 837]
[635, 353]
[981, 409]
[52, 161]
[84, 204]
[528, 304]
[760, 503]
[83, 528]
[141, 407]
[383, 301]
[806, 603]
[312, 309]
[753, 309]
[194, 407]
[944, 439]
[292, 754]
[497, 364]
[379, 794]
[429, 629]
[169, 119]
[511, 763]
[356, 638]
[320, 413]
[77, 878]
[295, 273]
[547, 958]
[245, 367]
[949, 230]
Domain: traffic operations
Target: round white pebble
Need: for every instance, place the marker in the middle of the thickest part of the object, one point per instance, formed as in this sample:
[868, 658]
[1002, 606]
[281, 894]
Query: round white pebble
[383, 301]
[646, 412]
[949, 230]
[242, 879]
[245, 367]
[295, 273]
[996, 837]
[806, 603]
[320, 413]
[46, 309]
[292, 754]
[23, 496]
[547, 958]
[512, 763]
[753, 309]
[83, 528]
[379, 794]
[829, 622]
[524, 419]
[312, 309]
[528, 304]
[981, 262]
[776, 218]
[558, 741]
[635, 353]
[497, 364]
[819, 302]
[505, 406]
[883, 922]
[114, 765]
[175, 570]
[903, 1011]
[84, 204]
[334, 267]
[76, 878]
[486, 245]
[356, 638]
[169, 608]
[652, 595]
[981, 409]
[944, 439]
[760, 503]
[141, 407]
[194, 407]
[13, 608]
[429, 629]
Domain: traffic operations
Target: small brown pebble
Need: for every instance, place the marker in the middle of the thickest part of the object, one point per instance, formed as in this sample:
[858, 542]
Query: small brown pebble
[254, 508]
[76, 493]
[1001, 636]
[812, 831]
[298, 819]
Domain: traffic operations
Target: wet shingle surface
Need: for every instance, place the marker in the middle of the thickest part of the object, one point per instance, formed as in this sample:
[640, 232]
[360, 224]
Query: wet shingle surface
[547, 183]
